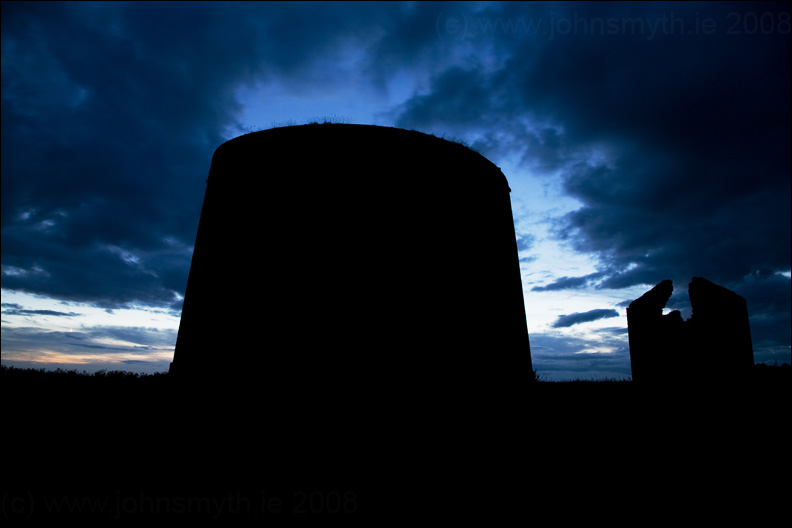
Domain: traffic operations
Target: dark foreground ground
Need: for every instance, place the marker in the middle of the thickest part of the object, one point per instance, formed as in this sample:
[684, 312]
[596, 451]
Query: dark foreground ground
[114, 450]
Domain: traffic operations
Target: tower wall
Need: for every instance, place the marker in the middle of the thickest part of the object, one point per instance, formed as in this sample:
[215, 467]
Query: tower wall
[350, 259]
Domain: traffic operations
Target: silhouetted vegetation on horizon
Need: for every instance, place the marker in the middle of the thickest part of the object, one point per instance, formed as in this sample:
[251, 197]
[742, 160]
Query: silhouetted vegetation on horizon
[760, 373]
[59, 375]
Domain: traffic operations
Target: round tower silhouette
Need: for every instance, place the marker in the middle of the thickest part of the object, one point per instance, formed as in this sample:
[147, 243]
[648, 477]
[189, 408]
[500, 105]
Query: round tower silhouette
[355, 260]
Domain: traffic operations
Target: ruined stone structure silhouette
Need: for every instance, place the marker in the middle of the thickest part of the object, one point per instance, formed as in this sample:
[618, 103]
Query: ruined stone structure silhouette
[713, 345]
[361, 260]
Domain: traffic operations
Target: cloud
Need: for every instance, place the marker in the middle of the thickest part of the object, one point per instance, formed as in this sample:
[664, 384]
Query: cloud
[679, 168]
[565, 321]
[557, 357]
[525, 242]
[88, 348]
[110, 115]
[101, 197]
[17, 309]
[567, 283]
[667, 157]
[674, 143]
[133, 339]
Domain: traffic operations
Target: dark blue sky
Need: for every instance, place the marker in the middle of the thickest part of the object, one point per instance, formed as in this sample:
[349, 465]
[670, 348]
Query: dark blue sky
[642, 142]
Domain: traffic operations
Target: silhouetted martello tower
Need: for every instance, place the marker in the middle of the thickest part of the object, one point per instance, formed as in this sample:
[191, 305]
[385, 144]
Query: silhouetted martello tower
[336, 259]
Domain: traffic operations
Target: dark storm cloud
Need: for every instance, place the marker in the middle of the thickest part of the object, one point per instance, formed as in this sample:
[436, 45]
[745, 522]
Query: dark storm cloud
[17, 309]
[109, 133]
[673, 138]
[669, 123]
[769, 301]
[567, 283]
[110, 115]
[677, 145]
[565, 321]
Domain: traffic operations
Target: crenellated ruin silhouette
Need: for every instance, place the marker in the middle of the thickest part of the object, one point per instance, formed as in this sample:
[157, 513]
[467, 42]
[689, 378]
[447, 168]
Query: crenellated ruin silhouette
[712, 346]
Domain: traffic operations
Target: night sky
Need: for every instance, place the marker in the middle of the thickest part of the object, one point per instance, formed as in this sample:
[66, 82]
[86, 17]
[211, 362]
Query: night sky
[642, 142]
